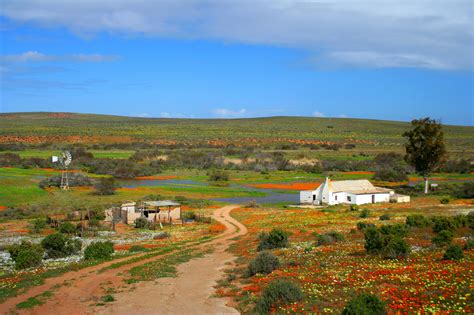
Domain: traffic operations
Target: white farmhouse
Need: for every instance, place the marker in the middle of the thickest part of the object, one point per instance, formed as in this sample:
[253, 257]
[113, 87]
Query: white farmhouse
[356, 192]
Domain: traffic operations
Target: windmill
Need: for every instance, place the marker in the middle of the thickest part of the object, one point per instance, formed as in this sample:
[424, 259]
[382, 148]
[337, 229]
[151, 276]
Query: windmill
[65, 159]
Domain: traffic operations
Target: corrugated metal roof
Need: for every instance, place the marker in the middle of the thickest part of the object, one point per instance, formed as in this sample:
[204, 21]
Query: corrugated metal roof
[162, 203]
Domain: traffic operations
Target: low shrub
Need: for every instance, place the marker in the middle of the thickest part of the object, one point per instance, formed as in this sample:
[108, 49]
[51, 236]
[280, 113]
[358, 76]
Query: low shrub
[99, 250]
[386, 241]
[365, 304]
[38, 225]
[329, 238]
[277, 238]
[385, 217]
[278, 293]
[444, 201]
[394, 229]
[265, 263]
[361, 226]
[26, 254]
[189, 215]
[469, 244]
[67, 228]
[59, 245]
[218, 176]
[395, 247]
[141, 223]
[443, 238]
[417, 220]
[441, 223]
[373, 240]
[364, 214]
[453, 252]
[162, 235]
[105, 186]
[137, 248]
[353, 208]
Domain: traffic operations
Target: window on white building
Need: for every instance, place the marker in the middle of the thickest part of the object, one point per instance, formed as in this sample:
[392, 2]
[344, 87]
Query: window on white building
[349, 198]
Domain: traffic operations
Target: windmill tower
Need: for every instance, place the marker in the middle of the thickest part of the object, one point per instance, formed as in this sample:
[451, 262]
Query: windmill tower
[65, 159]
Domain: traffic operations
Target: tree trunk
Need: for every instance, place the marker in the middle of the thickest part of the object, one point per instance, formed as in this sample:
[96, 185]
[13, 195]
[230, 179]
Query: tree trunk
[426, 184]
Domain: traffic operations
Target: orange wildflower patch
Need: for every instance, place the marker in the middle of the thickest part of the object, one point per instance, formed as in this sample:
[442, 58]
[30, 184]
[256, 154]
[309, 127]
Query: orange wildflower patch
[289, 186]
[156, 177]
[217, 228]
[3, 208]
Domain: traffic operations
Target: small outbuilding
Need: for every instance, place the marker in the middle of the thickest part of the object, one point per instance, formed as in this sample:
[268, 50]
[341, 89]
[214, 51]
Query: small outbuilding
[356, 192]
[154, 211]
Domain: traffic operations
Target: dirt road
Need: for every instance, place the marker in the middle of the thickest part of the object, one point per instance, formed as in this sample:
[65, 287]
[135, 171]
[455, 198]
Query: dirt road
[189, 293]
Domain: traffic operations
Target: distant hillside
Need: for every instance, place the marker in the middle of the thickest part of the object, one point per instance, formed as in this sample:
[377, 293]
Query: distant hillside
[38, 128]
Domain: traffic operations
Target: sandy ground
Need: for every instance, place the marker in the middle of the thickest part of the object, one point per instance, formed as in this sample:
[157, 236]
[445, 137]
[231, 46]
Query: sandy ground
[189, 293]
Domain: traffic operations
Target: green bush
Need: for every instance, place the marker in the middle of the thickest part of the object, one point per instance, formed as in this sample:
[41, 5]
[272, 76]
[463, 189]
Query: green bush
[59, 245]
[277, 238]
[364, 214]
[218, 176]
[353, 208]
[67, 228]
[441, 223]
[105, 186]
[373, 240]
[444, 238]
[395, 247]
[386, 241]
[265, 262]
[444, 201]
[329, 238]
[385, 217]
[417, 220]
[454, 252]
[26, 254]
[278, 293]
[470, 220]
[137, 248]
[141, 223]
[361, 226]
[469, 244]
[365, 304]
[394, 229]
[38, 225]
[189, 215]
[99, 250]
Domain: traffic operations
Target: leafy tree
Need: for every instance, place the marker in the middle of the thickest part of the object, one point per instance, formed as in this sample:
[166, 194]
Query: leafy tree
[425, 147]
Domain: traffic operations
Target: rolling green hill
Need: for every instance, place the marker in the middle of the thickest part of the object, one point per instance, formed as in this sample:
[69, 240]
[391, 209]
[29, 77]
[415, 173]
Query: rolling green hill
[35, 128]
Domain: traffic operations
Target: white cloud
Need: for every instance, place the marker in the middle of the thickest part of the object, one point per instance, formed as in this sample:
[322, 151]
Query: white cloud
[434, 34]
[318, 114]
[229, 113]
[343, 116]
[34, 56]
[165, 115]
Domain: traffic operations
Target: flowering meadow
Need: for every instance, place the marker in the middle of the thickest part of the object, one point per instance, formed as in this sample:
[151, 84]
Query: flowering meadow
[330, 275]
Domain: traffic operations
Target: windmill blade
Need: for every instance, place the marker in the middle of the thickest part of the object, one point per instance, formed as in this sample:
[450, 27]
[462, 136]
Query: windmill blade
[67, 158]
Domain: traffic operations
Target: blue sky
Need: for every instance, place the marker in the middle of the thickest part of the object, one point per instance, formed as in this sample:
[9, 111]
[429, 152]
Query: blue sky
[379, 60]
